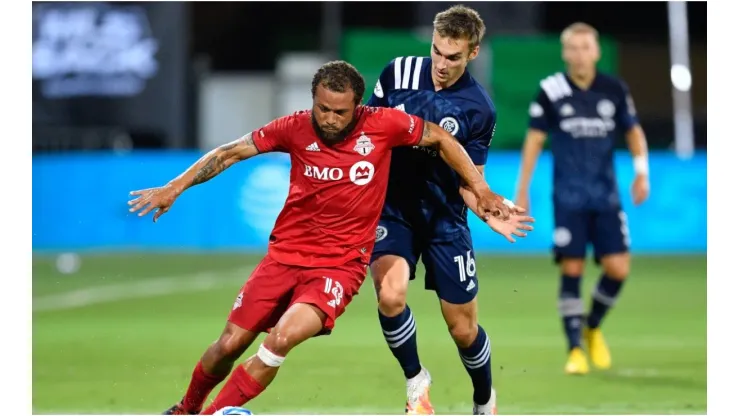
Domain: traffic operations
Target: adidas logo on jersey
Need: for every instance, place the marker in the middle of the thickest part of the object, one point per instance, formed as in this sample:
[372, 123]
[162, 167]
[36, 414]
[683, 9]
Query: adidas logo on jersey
[313, 147]
[471, 286]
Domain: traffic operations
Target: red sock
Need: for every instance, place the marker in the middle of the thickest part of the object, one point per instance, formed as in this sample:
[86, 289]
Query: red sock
[239, 389]
[201, 385]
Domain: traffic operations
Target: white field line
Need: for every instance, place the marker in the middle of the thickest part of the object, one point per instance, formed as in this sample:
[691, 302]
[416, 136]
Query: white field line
[157, 286]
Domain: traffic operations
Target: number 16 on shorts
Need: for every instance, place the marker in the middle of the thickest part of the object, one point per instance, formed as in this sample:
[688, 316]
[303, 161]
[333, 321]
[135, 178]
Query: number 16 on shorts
[466, 267]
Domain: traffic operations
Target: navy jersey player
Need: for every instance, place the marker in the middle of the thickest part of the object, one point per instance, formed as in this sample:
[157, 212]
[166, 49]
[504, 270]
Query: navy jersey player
[425, 212]
[583, 111]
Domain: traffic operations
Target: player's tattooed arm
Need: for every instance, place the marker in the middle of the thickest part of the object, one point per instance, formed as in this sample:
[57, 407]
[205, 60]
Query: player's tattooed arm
[160, 199]
[216, 161]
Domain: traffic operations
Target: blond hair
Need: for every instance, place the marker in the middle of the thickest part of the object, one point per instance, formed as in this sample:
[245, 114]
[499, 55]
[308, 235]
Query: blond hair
[460, 22]
[578, 27]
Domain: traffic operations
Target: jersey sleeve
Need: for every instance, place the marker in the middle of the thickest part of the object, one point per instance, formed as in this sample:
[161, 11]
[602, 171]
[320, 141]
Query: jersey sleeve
[626, 113]
[382, 86]
[271, 137]
[403, 129]
[477, 147]
[540, 112]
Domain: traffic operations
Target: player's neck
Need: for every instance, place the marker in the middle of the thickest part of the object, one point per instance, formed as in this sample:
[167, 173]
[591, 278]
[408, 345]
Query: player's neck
[583, 80]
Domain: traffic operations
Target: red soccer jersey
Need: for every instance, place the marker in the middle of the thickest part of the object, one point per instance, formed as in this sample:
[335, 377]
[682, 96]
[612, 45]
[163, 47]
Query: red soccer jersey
[336, 192]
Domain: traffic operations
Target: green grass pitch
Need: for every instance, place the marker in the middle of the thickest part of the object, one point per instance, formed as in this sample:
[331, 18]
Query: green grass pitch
[122, 336]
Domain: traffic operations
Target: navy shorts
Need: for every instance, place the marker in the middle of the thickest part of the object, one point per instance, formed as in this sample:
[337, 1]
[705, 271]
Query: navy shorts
[450, 265]
[607, 231]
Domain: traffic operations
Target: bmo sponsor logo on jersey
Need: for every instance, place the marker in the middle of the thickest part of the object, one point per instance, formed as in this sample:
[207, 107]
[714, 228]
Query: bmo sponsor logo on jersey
[324, 174]
[361, 173]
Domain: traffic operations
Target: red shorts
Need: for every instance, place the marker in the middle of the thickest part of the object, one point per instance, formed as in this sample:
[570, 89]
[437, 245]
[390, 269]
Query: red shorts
[273, 287]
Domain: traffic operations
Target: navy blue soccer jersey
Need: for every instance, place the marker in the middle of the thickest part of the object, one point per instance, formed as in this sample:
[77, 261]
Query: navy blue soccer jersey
[582, 127]
[423, 191]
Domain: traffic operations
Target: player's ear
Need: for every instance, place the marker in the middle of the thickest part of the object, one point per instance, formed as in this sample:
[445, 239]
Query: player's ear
[474, 53]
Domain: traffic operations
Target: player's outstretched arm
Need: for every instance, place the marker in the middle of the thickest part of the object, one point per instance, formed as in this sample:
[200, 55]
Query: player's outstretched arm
[215, 162]
[531, 150]
[457, 158]
[208, 166]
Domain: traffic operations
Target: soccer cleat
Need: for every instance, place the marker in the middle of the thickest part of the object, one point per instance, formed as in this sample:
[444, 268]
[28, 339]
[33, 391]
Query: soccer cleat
[577, 362]
[598, 351]
[488, 408]
[417, 391]
[178, 409]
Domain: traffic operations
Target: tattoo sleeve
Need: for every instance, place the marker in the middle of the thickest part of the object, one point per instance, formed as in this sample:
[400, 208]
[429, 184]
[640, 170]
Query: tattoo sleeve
[248, 141]
[215, 162]
[223, 157]
[213, 167]
[427, 131]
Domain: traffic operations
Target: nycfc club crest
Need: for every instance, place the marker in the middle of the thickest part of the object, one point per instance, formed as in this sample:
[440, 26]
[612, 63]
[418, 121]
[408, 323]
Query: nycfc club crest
[364, 146]
[450, 125]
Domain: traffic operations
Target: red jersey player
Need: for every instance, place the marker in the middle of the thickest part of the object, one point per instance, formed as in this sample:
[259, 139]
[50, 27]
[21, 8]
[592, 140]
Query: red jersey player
[322, 240]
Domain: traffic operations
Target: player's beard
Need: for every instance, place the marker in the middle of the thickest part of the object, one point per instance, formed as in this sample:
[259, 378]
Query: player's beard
[333, 137]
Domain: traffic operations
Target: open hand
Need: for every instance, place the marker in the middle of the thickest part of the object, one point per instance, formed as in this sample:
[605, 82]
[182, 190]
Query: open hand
[160, 198]
[516, 225]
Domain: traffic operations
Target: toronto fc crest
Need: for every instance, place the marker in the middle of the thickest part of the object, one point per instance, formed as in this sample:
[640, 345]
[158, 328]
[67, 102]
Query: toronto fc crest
[364, 146]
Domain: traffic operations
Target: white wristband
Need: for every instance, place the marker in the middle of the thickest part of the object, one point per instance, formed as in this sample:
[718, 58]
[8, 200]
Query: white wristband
[640, 164]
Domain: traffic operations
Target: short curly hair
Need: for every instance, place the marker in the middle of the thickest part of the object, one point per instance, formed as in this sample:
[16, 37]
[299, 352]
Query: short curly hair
[336, 76]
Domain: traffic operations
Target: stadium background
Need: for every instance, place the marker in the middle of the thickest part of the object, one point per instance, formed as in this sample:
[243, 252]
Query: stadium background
[126, 95]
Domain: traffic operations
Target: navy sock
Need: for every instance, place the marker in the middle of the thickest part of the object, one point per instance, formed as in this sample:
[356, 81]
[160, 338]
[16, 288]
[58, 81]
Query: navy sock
[477, 361]
[400, 334]
[603, 298]
[570, 306]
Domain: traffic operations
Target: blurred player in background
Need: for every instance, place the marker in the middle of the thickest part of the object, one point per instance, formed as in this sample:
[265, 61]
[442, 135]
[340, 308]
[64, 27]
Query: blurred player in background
[322, 240]
[425, 212]
[582, 111]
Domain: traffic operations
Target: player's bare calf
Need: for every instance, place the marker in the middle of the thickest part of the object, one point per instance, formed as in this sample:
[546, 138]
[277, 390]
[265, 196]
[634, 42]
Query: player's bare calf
[616, 265]
[213, 367]
[220, 357]
[462, 321]
[299, 323]
[391, 279]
